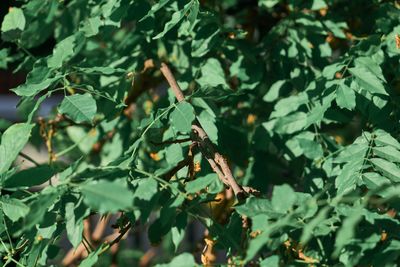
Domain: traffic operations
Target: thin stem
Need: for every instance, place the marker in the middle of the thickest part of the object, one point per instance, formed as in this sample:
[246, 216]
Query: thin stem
[22, 154]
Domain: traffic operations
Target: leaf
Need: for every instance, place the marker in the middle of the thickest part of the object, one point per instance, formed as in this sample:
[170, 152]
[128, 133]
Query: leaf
[37, 80]
[80, 108]
[12, 142]
[345, 97]
[200, 183]
[178, 231]
[14, 208]
[102, 70]
[308, 229]
[273, 92]
[371, 65]
[63, 51]
[106, 196]
[384, 138]
[13, 24]
[74, 215]
[162, 225]
[283, 198]
[346, 232]
[91, 26]
[311, 148]
[291, 123]
[40, 206]
[212, 74]
[177, 16]
[91, 259]
[257, 206]
[194, 11]
[183, 260]
[174, 154]
[389, 169]
[268, 3]
[347, 180]
[204, 40]
[368, 81]
[155, 8]
[30, 177]
[388, 152]
[182, 117]
[271, 261]
[146, 189]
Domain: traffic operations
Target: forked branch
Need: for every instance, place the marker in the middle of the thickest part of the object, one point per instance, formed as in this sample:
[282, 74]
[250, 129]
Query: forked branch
[217, 162]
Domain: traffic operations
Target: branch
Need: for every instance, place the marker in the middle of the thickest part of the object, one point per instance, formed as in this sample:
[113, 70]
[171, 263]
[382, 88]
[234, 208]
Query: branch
[217, 162]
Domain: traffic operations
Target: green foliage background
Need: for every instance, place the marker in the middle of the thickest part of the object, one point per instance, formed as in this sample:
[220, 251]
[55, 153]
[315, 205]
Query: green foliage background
[301, 97]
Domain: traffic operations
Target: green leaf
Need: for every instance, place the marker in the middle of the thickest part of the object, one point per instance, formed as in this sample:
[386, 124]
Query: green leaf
[12, 142]
[311, 149]
[37, 80]
[347, 180]
[30, 177]
[154, 8]
[273, 92]
[14, 208]
[347, 231]
[291, 123]
[13, 24]
[106, 196]
[80, 108]
[268, 3]
[212, 74]
[257, 206]
[40, 206]
[388, 152]
[182, 117]
[200, 183]
[345, 97]
[272, 261]
[91, 26]
[178, 231]
[183, 260]
[389, 169]
[308, 229]
[368, 81]
[384, 138]
[91, 259]
[371, 65]
[177, 16]
[174, 154]
[204, 40]
[283, 198]
[147, 188]
[74, 215]
[63, 51]
[102, 70]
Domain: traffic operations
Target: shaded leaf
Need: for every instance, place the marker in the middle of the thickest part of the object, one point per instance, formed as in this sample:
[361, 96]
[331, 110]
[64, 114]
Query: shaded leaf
[79, 107]
[182, 117]
[12, 142]
[106, 196]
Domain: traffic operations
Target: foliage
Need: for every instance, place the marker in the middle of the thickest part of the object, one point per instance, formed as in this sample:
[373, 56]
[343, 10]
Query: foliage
[300, 97]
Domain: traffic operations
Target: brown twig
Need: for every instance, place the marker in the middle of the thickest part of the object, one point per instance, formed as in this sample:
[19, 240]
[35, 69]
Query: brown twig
[217, 161]
[145, 260]
[113, 239]
[100, 228]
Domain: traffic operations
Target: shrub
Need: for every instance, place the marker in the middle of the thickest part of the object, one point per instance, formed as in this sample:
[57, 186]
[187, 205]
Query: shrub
[274, 124]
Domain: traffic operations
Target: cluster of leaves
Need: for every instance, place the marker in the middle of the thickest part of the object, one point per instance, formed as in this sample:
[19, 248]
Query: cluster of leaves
[300, 96]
